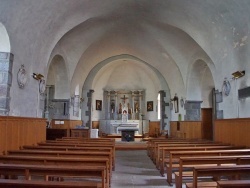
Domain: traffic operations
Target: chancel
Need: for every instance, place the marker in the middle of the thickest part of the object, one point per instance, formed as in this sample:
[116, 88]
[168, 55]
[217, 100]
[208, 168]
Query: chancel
[126, 117]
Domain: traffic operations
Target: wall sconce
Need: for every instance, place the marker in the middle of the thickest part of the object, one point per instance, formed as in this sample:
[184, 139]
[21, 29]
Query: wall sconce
[81, 100]
[176, 103]
[37, 76]
[238, 74]
[42, 85]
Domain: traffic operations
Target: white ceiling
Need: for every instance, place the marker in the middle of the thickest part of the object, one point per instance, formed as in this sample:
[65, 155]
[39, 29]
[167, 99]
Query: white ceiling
[168, 36]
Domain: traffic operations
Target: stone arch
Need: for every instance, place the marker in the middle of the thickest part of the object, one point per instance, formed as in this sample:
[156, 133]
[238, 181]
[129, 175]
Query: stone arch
[6, 62]
[101, 77]
[200, 83]
[91, 76]
[4, 39]
[58, 77]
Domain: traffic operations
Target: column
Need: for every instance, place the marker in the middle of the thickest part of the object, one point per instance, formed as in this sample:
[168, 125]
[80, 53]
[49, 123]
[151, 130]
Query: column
[6, 62]
[140, 101]
[46, 113]
[133, 105]
[89, 104]
[108, 103]
[116, 106]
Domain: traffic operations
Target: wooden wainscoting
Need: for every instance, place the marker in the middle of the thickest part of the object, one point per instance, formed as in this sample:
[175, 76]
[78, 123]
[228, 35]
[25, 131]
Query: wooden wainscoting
[154, 129]
[173, 128]
[233, 131]
[19, 131]
[65, 124]
[186, 129]
[95, 124]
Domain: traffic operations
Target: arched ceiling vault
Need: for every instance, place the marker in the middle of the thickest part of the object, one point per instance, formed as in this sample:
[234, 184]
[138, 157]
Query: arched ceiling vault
[115, 62]
[147, 29]
[50, 20]
[165, 47]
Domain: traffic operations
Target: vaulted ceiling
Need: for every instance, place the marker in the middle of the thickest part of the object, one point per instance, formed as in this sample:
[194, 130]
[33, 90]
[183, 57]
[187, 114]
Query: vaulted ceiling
[164, 38]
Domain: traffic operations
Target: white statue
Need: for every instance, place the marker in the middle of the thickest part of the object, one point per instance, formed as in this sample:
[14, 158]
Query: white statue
[124, 116]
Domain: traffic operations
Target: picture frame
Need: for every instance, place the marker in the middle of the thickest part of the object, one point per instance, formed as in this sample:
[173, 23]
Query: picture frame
[150, 106]
[98, 105]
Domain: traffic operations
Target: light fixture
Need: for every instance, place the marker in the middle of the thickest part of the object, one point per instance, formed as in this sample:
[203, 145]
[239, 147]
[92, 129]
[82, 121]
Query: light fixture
[37, 76]
[176, 103]
[238, 74]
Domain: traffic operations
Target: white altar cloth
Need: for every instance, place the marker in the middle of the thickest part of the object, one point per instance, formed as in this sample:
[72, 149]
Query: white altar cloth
[118, 125]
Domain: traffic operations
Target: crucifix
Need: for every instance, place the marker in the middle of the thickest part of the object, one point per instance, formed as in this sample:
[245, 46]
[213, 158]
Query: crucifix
[124, 99]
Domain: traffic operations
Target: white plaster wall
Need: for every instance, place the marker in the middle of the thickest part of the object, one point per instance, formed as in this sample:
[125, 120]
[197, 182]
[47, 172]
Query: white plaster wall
[59, 78]
[126, 75]
[165, 34]
[207, 86]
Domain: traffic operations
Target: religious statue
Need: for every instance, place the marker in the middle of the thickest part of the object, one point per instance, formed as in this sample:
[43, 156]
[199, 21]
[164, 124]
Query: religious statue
[124, 116]
[136, 107]
[112, 107]
[120, 108]
[129, 109]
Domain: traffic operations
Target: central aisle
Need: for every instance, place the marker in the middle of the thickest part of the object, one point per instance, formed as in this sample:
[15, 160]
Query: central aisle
[134, 169]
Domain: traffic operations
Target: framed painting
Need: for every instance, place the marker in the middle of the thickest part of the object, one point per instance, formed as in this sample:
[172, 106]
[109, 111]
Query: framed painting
[98, 105]
[150, 106]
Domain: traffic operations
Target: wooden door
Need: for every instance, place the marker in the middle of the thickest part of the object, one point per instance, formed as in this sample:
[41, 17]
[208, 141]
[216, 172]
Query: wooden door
[207, 123]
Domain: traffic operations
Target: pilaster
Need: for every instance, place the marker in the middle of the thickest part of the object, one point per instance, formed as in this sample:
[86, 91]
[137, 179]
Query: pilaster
[6, 63]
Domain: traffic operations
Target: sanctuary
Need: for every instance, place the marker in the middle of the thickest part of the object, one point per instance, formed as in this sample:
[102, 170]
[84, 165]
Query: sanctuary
[123, 111]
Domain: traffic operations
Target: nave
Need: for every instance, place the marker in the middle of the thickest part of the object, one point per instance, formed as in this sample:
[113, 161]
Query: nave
[135, 169]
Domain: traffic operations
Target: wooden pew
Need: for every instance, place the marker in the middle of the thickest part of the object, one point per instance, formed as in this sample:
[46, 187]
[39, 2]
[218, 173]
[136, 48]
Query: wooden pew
[156, 150]
[166, 149]
[207, 160]
[151, 143]
[9, 183]
[79, 154]
[84, 145]
[217, 171]
[233, 183]
[72, 148]
[174, 154]
[89, 144]
[72, 162]
[152, 147]
[81, 138]
[166, 152]
[161, 147]
[30, 171]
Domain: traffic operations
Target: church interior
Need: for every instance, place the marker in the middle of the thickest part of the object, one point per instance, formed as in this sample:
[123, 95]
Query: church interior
[111, 77]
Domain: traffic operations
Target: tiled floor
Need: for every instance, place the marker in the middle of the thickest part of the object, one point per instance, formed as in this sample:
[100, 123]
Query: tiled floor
[134, 169]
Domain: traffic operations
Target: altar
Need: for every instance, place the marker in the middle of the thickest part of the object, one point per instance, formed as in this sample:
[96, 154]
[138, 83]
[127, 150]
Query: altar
[123, 111]
[128, 134]
[117, 126]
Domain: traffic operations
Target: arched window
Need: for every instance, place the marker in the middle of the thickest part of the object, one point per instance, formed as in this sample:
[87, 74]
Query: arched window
[6, 61]
[4, 39]
[159, 106]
